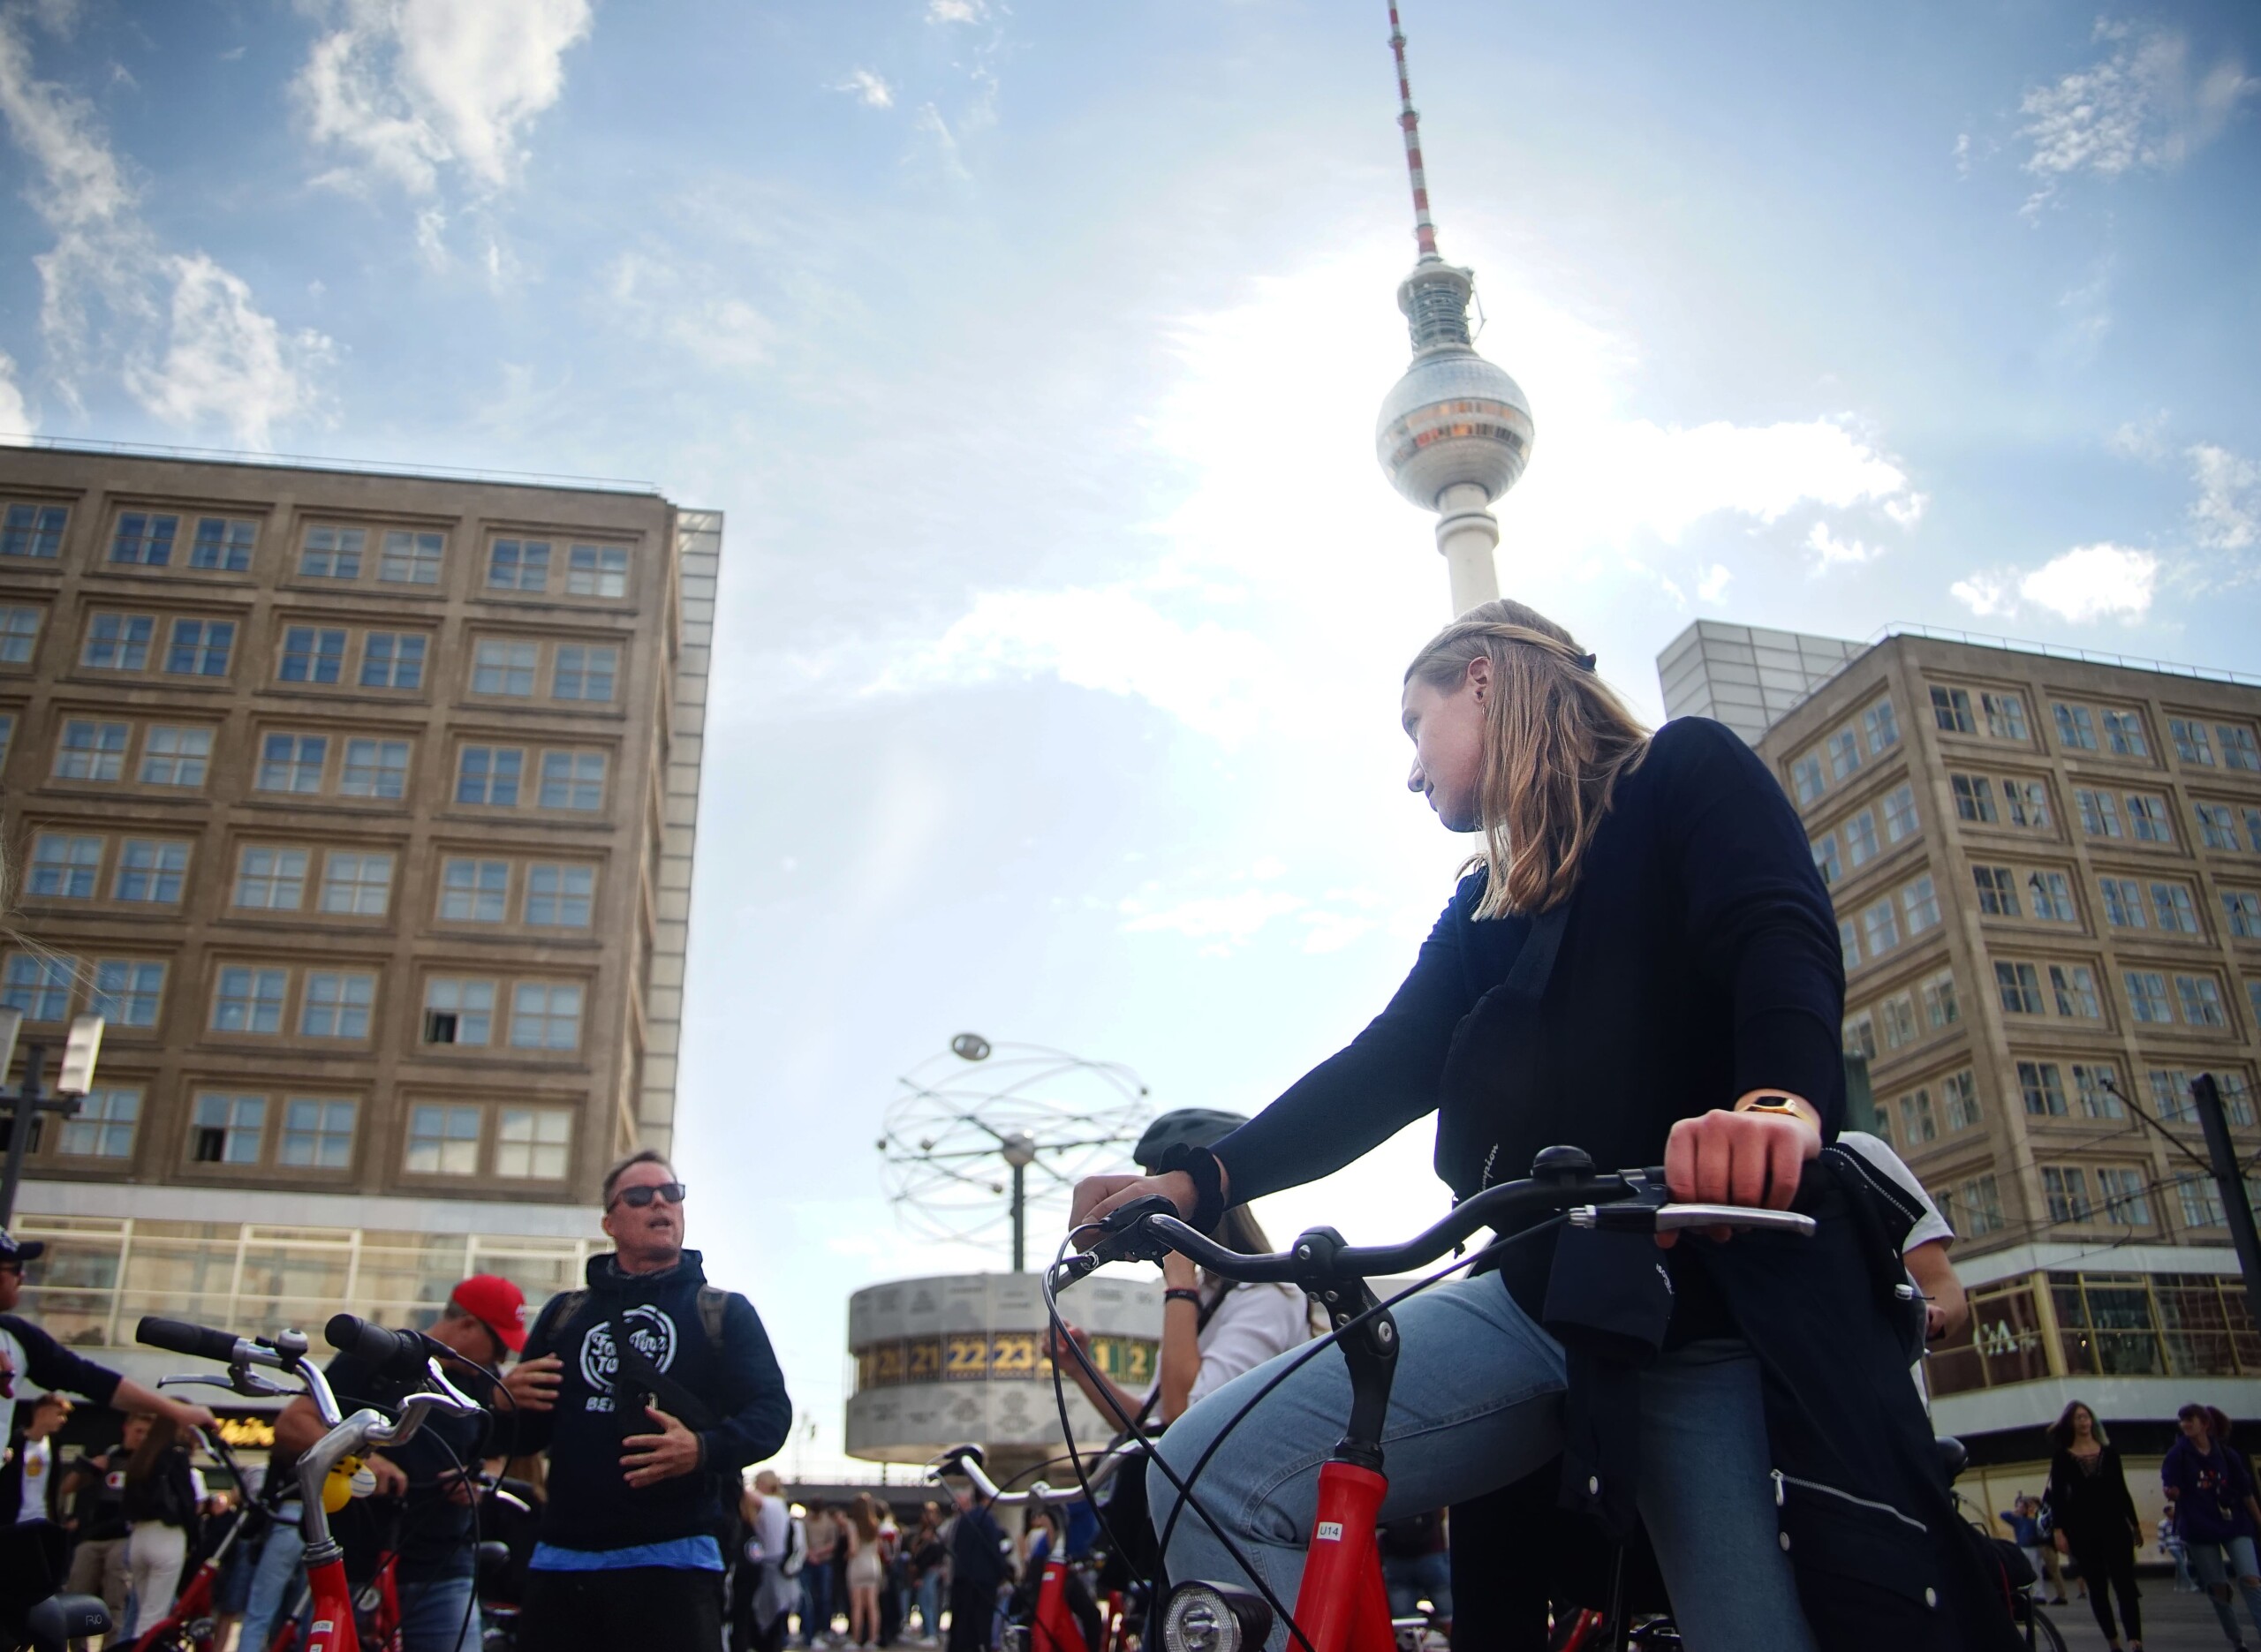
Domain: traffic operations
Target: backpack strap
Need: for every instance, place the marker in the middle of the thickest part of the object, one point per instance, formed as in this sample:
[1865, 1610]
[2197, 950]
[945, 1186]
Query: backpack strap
[560, 1309]
[713, 1307]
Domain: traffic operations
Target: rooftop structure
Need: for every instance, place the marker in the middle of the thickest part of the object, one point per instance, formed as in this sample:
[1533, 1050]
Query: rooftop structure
[1744, 676]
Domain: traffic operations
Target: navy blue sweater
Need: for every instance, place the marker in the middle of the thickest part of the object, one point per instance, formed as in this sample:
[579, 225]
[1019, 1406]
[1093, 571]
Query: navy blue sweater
[591, 1504]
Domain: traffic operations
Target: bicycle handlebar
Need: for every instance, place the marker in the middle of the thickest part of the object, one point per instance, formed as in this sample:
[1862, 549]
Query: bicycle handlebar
[966, 1461]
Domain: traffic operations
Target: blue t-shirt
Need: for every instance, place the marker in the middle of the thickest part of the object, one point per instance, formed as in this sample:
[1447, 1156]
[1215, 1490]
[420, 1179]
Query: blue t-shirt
[682, 1554]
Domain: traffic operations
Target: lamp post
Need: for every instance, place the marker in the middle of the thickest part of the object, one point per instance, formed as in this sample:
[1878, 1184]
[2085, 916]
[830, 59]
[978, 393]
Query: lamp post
[27, 1101]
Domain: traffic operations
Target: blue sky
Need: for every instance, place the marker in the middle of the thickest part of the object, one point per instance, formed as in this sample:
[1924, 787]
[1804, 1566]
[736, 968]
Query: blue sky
[1032, 351]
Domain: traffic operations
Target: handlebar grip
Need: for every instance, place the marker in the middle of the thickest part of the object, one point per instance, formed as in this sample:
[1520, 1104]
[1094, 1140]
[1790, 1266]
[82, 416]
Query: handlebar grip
[177, 1336]
[397, 1353]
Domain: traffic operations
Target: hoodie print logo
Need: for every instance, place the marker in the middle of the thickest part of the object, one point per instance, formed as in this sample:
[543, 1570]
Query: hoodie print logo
[650, 1332]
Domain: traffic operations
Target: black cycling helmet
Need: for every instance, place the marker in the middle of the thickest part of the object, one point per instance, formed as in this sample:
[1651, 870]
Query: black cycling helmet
[1196, 1126]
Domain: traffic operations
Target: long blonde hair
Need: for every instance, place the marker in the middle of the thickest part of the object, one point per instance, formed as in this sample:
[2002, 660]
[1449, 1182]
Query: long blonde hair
[1556, 741]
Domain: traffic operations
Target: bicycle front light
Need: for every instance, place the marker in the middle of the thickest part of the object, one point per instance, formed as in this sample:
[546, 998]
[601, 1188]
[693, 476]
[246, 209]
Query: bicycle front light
[1212, 1618]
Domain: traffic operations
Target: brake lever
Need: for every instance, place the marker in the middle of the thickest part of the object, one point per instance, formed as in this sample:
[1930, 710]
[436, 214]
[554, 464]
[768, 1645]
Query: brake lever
[1638, 1216]
[240, 1380]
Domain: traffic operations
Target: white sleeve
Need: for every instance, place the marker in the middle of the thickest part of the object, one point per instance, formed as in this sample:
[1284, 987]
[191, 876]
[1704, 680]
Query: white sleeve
[1255, 1323]
[196, 1480]
[1878, 1155]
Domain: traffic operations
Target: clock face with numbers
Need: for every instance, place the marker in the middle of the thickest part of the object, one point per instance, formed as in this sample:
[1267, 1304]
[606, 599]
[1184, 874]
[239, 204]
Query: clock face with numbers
[944, 1149]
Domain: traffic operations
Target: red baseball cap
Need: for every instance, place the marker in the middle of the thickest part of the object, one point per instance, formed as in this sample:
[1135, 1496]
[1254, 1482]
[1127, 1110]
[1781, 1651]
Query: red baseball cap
[497, 1304]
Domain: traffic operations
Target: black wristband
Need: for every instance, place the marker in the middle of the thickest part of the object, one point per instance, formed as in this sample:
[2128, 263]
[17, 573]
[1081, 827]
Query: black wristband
[1208, 1182]
[1183, 1293]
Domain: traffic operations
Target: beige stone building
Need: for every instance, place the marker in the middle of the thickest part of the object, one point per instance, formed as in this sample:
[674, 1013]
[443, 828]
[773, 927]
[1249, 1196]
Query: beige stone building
[2048, 876]
[362, 806]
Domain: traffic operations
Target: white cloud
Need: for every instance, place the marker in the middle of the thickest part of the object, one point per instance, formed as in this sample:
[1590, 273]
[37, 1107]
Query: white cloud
[410, 89]
[1962, 152]
[955, 11]
[2143, 107]
[870, 89]
[931, 122]
[691, 308]
[184, 333]
[1831, 552]
[1907, 510]
[1714, 584]
[2229, 509]
[1224, 924]
[2141, 438]
[15, 418]
[2088, 583]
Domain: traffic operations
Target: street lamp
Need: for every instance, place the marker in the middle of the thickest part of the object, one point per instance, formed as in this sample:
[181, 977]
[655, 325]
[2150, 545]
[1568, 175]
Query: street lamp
[27, 1101]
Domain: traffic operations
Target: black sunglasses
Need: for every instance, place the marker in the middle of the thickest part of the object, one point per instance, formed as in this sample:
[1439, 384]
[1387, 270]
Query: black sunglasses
[637, 1198]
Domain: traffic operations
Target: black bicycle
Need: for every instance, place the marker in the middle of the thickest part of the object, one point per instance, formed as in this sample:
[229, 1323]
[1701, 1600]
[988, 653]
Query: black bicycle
[2017, 1576]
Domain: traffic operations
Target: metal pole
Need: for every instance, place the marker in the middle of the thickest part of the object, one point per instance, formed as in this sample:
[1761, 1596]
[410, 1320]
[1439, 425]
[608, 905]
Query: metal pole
[29, 1096]
[2236, 1206]
[1020, 1218]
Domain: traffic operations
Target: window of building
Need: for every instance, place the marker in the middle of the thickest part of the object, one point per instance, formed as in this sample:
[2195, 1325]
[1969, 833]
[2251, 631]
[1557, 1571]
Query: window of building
[174, 755]
[338, 1004]
[517, 565]
[2240, 751]
[2072, 985]
[559, 897]
[457, 1010]
[65, 866]
[118, 642]
[18, 635]
[271, 879]
[589, 674]
[1919, 904]
[2253, 828]
[2005, 715]
[317, 1134]
[2170, 1088]
[2123, 902]
[2241, 911]
[533, 1143]
[488, 774]
[572, 780]
[1898, 813]
[2026, 802]
[2076, 728]
[1951, 711]
[249, 1000]
[597, 570]
[1860, 1036]
[1860, 838]
[2098, 1086]
[33, 531]
[128, 992]
[1881, 725]
[2200, 1199]
[2147, 996]
[2100, 813]
[201, 648]
[1997, 887]
[2064, 1188]
[1916, 1126]
[333, 553]
[7, 736]
[1844, 752]
[442, 1141]
[292, 763]
[2126, 1201]
[2052, 894]
[2043, 1088]
[2253, 996]
[2019, 985]
[475, 891]
[90, 751]
[2237, 1098]
[1959, 1097]
[2147, 815]
[40, 985]
[227, 1128]
[1826, 858]
[311, 654]
[1940, 1007]
[393, 659]
[411, 558]
[144, 539]
[1805, 780]
[2178, 913]
[500, 668]
[2201, 997]
[2190, 741]
[1880, 929]
[1848, 943]
[2123, 731]
[545, 1016]
[1981, 1208]
[356, 884]
[1974, 798]
[103, 1125]
[152, 869]
[374, 768]
[1898, 1015]
[223, 543]
[2217, 826]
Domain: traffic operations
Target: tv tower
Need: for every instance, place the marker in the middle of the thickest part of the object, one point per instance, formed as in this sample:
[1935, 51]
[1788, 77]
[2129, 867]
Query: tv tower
[1456, 431]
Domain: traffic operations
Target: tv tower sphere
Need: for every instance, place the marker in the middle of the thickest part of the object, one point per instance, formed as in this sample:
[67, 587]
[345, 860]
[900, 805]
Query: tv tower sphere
[1456, 431]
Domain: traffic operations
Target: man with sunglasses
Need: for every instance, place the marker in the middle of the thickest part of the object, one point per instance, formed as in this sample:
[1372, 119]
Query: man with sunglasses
[651, 1391]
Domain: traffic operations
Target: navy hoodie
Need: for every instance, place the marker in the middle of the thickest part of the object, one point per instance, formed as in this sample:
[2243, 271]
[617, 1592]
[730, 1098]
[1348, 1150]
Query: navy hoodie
[591, 1504]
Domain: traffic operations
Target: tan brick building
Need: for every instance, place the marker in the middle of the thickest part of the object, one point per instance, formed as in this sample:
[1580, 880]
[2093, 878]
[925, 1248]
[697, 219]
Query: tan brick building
[362, 805]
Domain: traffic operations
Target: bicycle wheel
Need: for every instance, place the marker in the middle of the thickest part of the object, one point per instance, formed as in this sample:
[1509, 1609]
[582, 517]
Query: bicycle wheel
[2039, 1631]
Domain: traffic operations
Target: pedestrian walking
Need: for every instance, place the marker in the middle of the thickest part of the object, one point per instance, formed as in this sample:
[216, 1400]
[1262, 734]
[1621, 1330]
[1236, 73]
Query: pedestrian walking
[865, 1568]
[162, 1495]
[2212, 1491]
[816, 1577]
[2023, 1519]
[652, 1391]
[929, 1571]
[2095, 1518]
[978, 1568]
[776, 1552]
[32, 1546]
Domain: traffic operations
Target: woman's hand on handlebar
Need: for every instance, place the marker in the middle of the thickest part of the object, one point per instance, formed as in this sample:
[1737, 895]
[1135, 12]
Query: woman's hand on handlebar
[1096, 1196]
[1750, 1158]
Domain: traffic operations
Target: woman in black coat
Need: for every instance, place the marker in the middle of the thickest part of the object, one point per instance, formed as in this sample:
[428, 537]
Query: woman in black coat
[2095, 1518]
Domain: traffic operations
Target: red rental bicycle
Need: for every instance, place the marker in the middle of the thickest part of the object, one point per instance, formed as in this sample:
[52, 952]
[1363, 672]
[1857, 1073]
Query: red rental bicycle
[1343, 1605]
[1055, 1625]
[326, 1470]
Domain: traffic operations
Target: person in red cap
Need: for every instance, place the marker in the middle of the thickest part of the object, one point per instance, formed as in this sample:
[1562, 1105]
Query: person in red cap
[484, 1323]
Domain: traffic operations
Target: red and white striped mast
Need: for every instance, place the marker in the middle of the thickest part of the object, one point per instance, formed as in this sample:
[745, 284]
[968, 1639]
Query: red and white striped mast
[1425, 230]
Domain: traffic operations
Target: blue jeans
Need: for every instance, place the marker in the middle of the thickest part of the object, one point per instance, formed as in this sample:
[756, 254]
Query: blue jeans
[816, 1590]
[1415, 1579]
[2208, 1561]
[930, 1602]
[275, 1583]
[1478, 1403]
[439, 1615]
